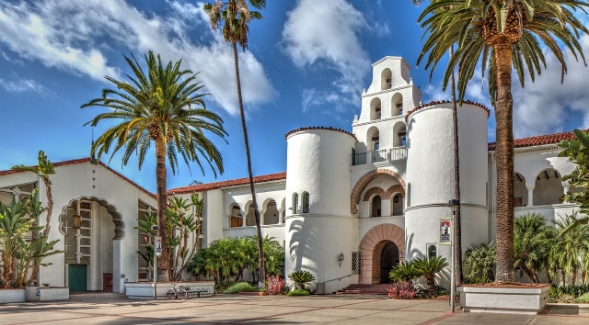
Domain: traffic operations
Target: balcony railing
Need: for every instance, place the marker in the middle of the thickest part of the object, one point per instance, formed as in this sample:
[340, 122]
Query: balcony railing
[382, 155]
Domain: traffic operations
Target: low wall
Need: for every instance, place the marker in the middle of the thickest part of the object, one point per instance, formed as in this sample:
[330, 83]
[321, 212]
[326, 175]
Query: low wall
[12, 295]
[47, 294]
[144, 290]
[506, 300]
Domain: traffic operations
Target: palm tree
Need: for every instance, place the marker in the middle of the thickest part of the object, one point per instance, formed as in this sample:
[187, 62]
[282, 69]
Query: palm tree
[301, 278]
[163, 106]
[479, 262]
[459, 275]
[532, 242]
[233, 17]
[429, 268]
[571, 246]
[500, 35]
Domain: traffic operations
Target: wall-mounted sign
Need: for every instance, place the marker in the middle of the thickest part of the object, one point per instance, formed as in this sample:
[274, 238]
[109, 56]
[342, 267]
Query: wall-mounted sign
[158, 246]
[445, 231]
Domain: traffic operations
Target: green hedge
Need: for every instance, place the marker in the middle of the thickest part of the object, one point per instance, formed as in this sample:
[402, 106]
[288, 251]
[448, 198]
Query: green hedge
[298, 292]
[241, 287]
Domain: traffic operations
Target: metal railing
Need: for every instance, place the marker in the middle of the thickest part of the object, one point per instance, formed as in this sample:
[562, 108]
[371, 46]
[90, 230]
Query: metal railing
[382, 155]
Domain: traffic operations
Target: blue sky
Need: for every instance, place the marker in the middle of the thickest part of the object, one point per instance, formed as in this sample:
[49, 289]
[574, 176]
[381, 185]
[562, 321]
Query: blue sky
[306, 65]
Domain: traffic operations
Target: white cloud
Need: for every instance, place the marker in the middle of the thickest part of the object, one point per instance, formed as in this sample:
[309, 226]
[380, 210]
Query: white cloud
[540, 106]
[72, 36]
[327, 32]
[22, 85]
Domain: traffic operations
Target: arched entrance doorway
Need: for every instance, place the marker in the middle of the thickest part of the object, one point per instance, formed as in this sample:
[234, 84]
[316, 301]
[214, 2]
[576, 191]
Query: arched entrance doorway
[89, 243]
[381, 248]
[389, 257]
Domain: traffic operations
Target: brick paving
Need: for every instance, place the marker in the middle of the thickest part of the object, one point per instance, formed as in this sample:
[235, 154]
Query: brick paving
[225, 309]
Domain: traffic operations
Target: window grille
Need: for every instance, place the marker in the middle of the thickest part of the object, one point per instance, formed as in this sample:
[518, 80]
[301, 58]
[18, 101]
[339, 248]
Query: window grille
[356, 262]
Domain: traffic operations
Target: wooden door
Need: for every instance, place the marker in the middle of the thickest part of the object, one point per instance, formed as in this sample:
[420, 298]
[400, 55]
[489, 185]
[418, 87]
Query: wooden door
[107, 282]
[77, 277]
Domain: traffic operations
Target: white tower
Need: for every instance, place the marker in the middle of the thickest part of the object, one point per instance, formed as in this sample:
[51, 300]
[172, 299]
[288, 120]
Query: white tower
[430, 175]
[319, 227]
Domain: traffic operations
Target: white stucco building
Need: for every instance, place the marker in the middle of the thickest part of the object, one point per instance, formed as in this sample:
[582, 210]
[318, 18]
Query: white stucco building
[373, 196]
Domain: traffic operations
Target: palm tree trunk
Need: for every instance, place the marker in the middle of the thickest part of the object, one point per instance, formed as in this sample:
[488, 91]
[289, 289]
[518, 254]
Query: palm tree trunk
[504, 154]
[564, 282]
[261, 270]
[49, 206]
[574, 277]
[457, 224]
[160, 176]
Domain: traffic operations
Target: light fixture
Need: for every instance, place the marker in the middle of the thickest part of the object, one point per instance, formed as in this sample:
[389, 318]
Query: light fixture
[454, 205]
[340, 259]
[77, 221]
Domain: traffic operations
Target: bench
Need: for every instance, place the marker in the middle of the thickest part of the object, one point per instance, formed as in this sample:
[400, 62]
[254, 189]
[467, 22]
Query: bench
[189, 291]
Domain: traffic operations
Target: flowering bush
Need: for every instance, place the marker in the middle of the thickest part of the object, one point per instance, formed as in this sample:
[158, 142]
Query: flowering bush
[275, 284]
[403, 290]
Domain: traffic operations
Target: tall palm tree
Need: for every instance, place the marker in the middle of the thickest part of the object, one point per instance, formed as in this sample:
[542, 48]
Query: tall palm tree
[501, 35]
[164, 106]
[459, 275]
[233, 17]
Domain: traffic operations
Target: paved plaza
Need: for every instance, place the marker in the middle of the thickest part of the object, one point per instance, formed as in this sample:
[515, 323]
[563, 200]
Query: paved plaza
[223, 309]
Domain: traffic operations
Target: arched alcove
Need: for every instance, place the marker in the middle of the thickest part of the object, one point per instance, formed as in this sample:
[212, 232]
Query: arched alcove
[400, 135]
[386, 79]
[250, 217]
[397, 105]
[375, 109]
[548, 189]
[375, 206]
[372, 247]
[235, 216]
[397, 204]
[373, 139]
[520, 192]
[271, 213]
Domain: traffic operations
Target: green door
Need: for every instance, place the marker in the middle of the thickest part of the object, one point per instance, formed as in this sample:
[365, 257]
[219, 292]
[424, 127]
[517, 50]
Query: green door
[77, 277]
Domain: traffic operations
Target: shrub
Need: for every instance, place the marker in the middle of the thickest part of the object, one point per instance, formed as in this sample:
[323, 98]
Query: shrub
[403, 290]
[298, 292]
[584, 299]
[429, 268]
[275, 285]
[300, 278]
[479, 263]
[403, 272]
[241, 287]
[220, 287]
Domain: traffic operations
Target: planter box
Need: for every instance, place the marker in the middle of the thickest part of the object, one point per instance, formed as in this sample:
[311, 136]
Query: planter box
[47, 293]
[144, 290]
[12, 295]
[504, 299]
[253, 293]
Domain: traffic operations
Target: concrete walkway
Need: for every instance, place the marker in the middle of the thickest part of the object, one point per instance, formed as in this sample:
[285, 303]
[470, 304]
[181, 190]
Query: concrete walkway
[224, 309]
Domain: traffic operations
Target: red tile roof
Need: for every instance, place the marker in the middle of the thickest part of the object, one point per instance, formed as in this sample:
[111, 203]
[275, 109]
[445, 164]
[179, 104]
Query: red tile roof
[446, 102]
[229, 183]
[329, 128]
[83, 161]
[538, 140]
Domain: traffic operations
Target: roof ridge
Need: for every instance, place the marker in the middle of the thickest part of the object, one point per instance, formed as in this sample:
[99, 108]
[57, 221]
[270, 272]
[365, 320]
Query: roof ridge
[227, 183]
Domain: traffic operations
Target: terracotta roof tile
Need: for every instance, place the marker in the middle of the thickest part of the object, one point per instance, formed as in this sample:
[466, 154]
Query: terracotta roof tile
[329, 128]
[446, 102]
[83, 161]
[538, 140]
[228, 183]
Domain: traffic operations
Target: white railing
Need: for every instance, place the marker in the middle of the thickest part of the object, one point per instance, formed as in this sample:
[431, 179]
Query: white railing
[377, 156]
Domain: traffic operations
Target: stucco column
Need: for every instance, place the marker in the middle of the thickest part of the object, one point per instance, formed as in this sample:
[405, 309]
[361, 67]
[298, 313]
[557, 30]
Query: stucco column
[117, 282]
[243, 219]
[566, 188]
[530, 196]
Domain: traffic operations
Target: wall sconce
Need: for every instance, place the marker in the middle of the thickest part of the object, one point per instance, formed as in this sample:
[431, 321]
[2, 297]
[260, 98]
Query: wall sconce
[340, 259]
[77, 221]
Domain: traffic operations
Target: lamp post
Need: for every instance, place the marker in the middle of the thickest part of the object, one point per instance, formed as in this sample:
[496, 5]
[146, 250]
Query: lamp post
[154, 228]
[454, 205]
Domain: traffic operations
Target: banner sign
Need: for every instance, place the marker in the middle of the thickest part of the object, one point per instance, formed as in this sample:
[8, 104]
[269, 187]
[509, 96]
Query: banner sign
[445, 231]
[158, 246]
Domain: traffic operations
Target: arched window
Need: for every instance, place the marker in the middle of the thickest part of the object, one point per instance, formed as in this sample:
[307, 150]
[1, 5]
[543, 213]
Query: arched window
[271, 215]
[305, 202]
[432, 251]
[375, 109]
[386, 79]
[375, 210]
[295, 203]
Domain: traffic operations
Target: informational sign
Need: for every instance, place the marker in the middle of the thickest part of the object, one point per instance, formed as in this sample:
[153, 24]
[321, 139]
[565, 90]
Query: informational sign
[158, 246]
[445, 231]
